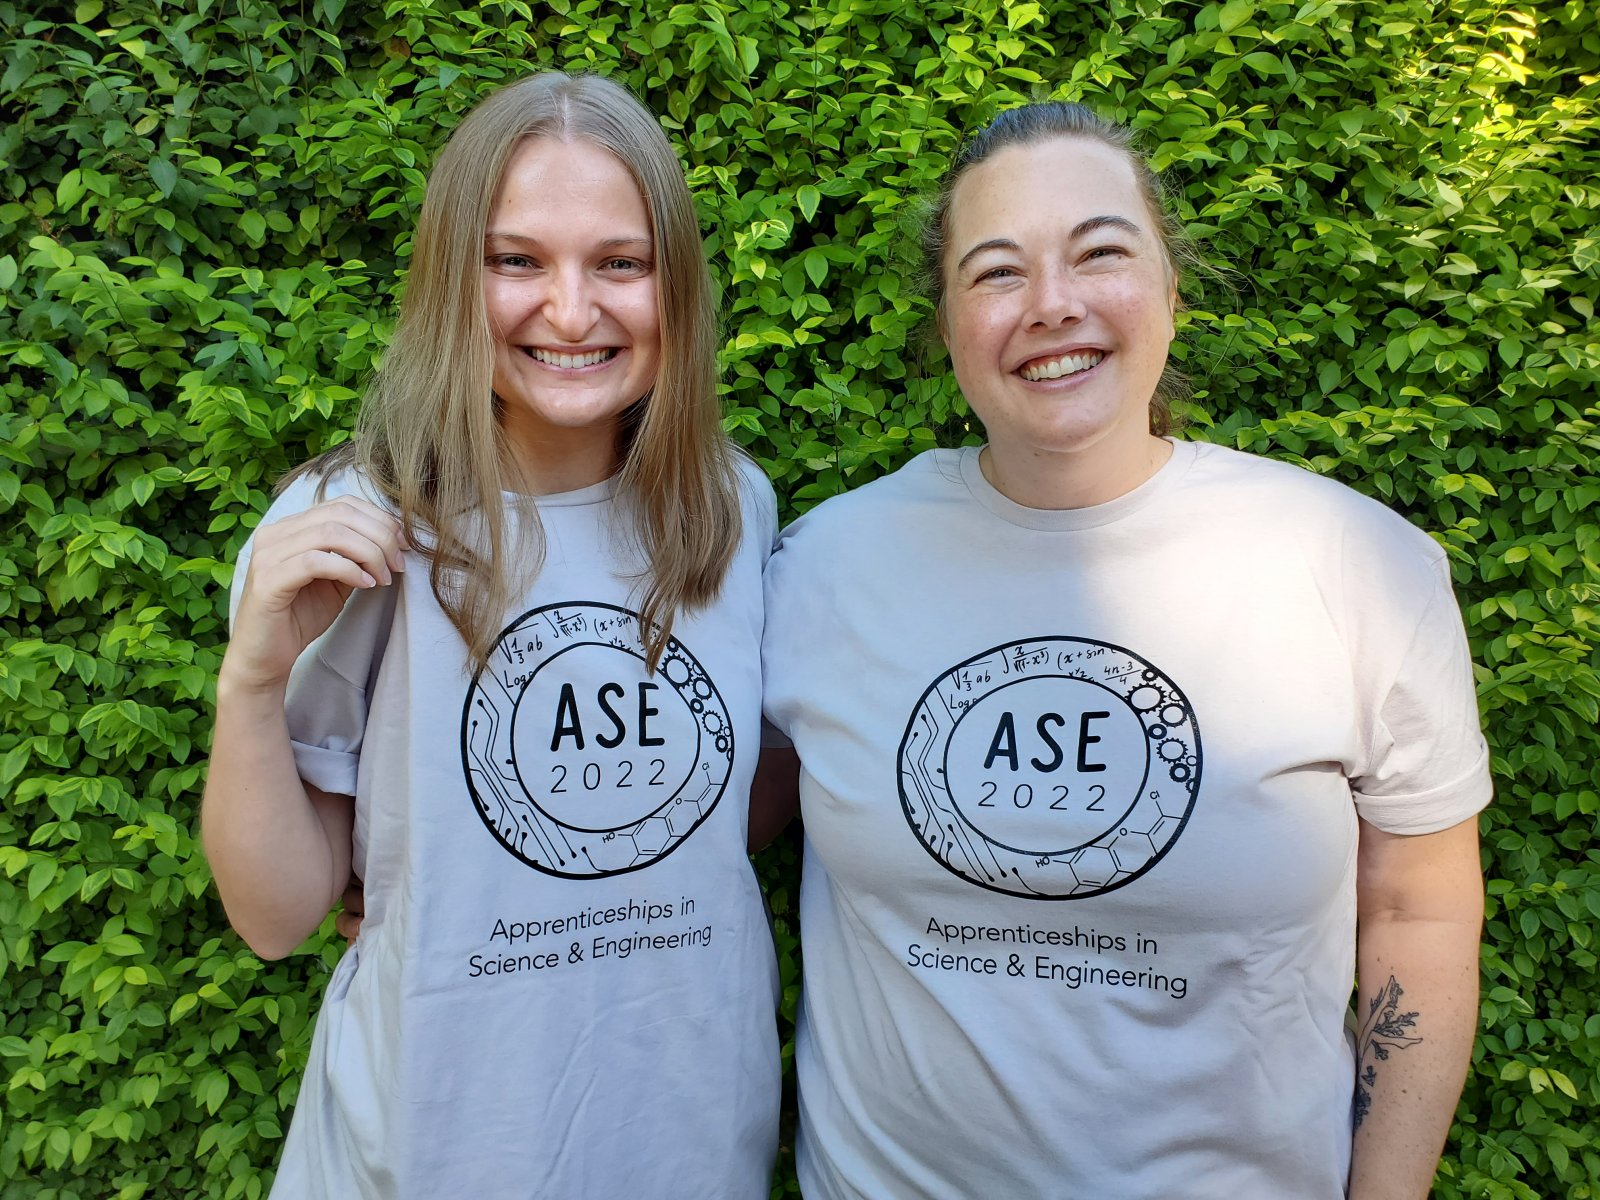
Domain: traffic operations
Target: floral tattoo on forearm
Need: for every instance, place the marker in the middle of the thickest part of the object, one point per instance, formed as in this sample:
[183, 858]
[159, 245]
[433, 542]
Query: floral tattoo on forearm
[1386, 1029]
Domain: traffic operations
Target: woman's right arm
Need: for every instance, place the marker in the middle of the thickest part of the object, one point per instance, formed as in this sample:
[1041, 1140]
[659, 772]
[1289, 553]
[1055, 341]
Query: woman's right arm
[279, 848]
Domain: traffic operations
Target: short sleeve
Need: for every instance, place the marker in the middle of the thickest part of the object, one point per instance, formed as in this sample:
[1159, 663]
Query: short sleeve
[785, 611]
[759, 507]
[1427, 764]
[763, 513]
[325, 704]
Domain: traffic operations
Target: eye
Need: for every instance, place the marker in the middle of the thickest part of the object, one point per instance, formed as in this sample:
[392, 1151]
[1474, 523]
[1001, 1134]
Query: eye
[1104, 252]
[510, 262]
[626, 266]
[997, 273]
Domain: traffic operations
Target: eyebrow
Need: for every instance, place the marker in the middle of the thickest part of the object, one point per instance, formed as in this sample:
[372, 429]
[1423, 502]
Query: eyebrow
[1082, 228]
[617, 243]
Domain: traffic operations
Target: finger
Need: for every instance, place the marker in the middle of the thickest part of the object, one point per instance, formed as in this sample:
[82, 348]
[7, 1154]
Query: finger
[382, 526]
[374, 524]
[348, 921]
[348, 926]
[354, 898]
[330, 536]
[276, 584]
[348, 512]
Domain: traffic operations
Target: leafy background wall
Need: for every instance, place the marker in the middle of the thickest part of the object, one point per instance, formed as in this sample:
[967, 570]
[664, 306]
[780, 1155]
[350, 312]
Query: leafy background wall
[205, 214]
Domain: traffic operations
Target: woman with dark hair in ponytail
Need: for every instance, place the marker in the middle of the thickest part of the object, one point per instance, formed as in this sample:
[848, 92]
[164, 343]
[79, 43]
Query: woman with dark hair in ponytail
[1122, 756]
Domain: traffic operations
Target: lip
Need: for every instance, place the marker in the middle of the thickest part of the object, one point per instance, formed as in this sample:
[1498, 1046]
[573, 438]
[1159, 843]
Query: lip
[1057, 354]
[573, 352]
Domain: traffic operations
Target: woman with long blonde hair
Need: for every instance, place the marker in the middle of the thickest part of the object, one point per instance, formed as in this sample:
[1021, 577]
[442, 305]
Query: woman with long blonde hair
[498, 658]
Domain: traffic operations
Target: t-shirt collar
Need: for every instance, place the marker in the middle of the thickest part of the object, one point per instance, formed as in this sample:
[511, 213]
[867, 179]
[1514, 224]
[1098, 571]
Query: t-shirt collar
[1066, 519]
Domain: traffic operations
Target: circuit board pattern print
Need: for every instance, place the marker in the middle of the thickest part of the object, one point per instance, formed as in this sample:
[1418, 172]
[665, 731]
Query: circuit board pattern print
[580, 762]
[1054, 768]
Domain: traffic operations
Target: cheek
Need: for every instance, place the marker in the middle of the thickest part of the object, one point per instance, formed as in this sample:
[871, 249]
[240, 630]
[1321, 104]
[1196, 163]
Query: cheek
[961, 343]
[1142, 308]
[500, 305]
[631, 312]
[976, 328]
[647, 328]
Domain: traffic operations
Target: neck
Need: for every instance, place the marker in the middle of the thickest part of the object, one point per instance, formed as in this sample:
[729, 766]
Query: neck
[562, 461]
[1046, 479]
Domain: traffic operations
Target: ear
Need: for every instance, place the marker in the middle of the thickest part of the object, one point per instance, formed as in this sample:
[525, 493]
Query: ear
[940, 324]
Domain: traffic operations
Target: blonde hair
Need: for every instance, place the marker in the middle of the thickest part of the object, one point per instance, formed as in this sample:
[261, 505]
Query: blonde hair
[429, 435]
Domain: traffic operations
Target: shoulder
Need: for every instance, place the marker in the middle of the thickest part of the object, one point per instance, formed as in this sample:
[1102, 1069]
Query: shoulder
[312, 487]
[853, 514]
[1378, 574]
[1290, 499]
[755, 489]
[758, 504]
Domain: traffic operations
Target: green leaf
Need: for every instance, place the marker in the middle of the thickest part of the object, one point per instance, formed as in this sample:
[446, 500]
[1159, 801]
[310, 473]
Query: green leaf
[816, 267]
[40, 876]
[807, 197]
[253, 225]
[123, 944]
[70, 190]
[246, 1077]
[164, 174]
[1234, 14]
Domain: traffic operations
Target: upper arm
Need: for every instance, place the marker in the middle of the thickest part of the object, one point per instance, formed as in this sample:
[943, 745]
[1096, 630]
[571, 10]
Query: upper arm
[1420, 877]
[337, 815]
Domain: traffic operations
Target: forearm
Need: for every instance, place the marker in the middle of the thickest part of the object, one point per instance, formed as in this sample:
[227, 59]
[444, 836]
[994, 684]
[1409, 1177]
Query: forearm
[1417, 1008]
[277, 866]
[774, 794]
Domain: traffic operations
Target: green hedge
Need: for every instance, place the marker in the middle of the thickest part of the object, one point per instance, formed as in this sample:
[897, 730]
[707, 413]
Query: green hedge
[205, 211]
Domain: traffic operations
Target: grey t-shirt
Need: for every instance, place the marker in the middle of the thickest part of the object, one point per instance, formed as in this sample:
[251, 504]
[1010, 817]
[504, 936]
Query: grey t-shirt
[565, 984]
[1081, 793]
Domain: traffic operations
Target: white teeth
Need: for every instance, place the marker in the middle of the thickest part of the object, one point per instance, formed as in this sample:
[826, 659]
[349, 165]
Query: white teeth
[568, 361]
[1067, 364]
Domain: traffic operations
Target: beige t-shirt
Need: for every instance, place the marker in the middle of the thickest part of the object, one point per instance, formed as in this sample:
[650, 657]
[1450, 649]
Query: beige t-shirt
[1080, 794]
[565, 984]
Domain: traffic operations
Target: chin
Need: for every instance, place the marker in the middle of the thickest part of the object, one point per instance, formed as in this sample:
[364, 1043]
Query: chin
[1076, 440]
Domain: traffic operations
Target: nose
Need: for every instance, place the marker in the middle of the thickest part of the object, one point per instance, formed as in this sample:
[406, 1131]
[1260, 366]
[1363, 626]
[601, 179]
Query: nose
[569, 305]
[1055, 298]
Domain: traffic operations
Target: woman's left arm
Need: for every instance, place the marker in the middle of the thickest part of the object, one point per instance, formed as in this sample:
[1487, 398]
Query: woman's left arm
[1419, 911]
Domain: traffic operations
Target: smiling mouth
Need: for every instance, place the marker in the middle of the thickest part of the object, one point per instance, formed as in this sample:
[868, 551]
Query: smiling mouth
[554, 358]
[1061, 366]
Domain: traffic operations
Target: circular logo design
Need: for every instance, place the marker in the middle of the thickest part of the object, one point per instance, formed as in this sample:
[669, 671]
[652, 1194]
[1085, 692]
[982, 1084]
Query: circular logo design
[1055, 768]
[581, 763]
